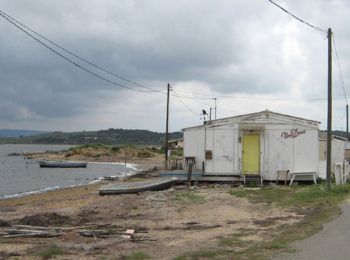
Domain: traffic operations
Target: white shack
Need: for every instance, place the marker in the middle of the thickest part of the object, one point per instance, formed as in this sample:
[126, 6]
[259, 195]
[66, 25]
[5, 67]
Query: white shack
[259, 143]
[340, 152]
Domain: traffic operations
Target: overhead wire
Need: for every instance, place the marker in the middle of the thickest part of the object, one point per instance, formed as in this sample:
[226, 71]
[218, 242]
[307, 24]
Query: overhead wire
[18, 24]
[73, 62]
[188, 108]
[341, 118]
[297, 18]
[340, 71]
[253, 98]
[2, 13]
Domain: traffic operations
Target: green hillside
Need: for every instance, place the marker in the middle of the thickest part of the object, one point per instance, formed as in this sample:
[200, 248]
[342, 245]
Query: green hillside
[108, 137]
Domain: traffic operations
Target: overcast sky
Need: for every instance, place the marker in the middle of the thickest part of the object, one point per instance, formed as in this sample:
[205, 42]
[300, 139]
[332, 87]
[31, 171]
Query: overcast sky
[248, 54]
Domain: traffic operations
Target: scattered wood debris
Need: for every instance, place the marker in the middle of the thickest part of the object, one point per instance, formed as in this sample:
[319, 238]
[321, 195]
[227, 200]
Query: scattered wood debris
[95, 231]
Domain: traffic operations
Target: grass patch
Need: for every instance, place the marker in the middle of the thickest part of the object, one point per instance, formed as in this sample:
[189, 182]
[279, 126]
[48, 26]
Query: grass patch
[317, 203]
[137, 256]
[309, 195]
[51, 251]
[188, 196]
[206, 254]
[230, 241]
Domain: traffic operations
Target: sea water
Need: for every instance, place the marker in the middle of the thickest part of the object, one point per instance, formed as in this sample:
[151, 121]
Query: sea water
[19, 176]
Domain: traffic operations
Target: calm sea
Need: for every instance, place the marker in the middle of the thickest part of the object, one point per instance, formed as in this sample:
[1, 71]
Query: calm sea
[19, 178]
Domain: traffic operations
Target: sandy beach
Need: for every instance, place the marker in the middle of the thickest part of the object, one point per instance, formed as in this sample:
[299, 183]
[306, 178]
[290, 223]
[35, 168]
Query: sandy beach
[166, 224]
[202, 222]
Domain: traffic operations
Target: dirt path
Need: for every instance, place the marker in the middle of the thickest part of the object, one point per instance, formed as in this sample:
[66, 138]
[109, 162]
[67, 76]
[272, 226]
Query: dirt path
[330, 243]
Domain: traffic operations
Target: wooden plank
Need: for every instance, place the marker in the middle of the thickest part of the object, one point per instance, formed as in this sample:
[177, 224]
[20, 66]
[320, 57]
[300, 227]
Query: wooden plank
[138, 186]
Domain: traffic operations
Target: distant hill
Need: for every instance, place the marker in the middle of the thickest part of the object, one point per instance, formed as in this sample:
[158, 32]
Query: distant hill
[109, 137]
[18, 133]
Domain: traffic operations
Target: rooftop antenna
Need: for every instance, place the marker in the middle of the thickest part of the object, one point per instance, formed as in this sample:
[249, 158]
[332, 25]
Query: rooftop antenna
[215, 108]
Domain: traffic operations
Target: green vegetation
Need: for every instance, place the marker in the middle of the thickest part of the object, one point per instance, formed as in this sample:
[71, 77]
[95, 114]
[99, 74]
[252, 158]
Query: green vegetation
[207, 254]
[177, 152]
[188, 196]
[107, 137]
[137, 256]
[315, 202]
[311, 195]
[51, 251]
[98, 150]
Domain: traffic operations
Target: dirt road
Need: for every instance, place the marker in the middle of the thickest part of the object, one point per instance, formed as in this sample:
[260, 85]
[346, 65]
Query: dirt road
[332, 242]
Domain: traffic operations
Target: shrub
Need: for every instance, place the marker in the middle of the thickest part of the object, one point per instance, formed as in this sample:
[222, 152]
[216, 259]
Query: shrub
[115, 149]
[144, 154]
[51, 251]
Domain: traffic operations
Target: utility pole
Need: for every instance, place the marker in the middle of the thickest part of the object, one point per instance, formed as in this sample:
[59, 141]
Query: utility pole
[210, 113]
[215, 99]
[347, 121]
[167, 128]
[329, 114]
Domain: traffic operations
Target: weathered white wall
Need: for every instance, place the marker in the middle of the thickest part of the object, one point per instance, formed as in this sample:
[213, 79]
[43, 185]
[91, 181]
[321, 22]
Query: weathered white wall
[221, 141]
[299, 154]
[338, 155]
[194, 145]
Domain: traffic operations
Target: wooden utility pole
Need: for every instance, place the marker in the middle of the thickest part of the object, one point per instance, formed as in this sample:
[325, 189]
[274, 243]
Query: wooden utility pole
[347, 121]
[167, 128]
[329, 114]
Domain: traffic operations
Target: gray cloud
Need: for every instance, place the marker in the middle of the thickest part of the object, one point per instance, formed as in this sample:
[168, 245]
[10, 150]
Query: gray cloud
[233, 47]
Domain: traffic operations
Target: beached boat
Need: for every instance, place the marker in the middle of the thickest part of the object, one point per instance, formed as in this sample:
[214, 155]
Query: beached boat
[160, 183]
[62, 164]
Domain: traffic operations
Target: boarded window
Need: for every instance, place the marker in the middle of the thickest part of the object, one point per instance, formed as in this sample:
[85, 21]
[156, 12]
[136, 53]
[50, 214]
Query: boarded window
[208, 155]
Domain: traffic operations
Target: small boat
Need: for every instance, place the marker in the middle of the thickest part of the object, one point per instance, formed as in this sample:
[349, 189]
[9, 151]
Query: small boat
[62, 164]
[161, 183]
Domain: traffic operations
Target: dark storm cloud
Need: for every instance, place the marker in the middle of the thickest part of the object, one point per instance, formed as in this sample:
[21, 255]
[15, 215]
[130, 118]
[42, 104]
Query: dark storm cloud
[234, 47]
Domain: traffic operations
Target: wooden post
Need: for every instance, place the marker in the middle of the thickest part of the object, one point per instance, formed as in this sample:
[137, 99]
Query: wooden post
[189, 175]
[329, 111]
[167, 128]
[347, 121]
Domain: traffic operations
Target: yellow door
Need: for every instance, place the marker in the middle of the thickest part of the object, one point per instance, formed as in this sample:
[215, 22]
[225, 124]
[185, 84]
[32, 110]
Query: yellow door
[251, 153]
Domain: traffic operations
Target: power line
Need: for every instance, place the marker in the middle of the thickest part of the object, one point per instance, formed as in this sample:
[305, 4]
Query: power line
[188, 108]
[340, 71]
[2, 13]
[254, 98]
[73, 62]
[297, 18]
[341, 118]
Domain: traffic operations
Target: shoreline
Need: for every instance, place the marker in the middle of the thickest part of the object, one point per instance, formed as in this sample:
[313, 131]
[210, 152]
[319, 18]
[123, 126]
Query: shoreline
[134, 170]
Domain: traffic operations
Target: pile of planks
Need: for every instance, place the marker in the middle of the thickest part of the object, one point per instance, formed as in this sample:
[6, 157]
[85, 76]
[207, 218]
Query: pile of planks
[95, 231]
